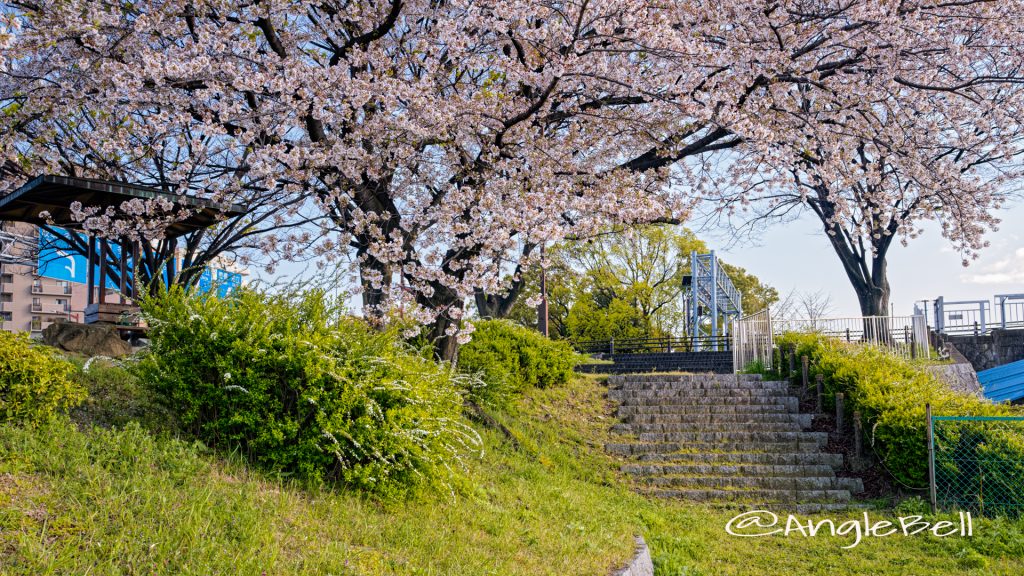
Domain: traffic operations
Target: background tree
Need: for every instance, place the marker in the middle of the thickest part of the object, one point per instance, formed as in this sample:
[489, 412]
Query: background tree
[798, 305]
[629, 276]
[950, 154]
[756, 295]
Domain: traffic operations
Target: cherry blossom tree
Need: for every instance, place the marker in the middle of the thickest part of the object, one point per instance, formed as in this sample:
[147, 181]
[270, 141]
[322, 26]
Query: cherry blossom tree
[950, 156]
[445, 139]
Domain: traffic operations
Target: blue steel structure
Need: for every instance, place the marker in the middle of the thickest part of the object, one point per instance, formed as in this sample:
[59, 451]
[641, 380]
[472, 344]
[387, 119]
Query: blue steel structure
[59, 261]
[713, 302]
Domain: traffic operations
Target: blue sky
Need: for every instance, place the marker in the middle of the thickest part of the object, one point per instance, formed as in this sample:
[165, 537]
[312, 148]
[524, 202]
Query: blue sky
[797, 255]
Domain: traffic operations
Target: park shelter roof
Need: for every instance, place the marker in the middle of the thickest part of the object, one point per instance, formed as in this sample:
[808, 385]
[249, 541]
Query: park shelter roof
[56, 194]
[1003, 383]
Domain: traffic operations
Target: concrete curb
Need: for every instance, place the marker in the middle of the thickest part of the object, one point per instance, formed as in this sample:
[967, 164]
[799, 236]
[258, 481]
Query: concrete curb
[641, 564]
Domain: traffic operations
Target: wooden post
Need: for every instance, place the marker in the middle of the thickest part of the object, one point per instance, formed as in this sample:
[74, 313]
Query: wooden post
[792, 361]
[858, 440]
[90, 272]
[931, 458]
[819, 382]
[839, 412]
[123, 269]
[103, 271]
[136, 268]
[805, 383]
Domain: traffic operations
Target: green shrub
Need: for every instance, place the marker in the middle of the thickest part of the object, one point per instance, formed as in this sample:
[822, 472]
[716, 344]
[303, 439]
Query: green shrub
[983, 463]
[301, 389]
[35, 383]
[511, 358]
[890, 393]
[116, 398]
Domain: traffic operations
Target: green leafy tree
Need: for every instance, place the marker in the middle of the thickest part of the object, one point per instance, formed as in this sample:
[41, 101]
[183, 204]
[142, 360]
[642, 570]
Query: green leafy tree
[591, 282]
[756, 295]
[619, 320]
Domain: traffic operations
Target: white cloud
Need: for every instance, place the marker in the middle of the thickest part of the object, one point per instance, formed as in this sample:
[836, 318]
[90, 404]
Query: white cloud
[1007, 270]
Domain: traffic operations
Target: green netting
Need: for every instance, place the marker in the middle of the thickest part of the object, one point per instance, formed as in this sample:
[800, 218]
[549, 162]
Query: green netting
[979, 464]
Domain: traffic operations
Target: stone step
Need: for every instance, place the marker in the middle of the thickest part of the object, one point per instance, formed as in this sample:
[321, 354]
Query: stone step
[816, 507]
[754, 482]
[724, 438]
[790, 403]
[618, 379]
[763, 470]
[687, 393]
[821, 438]
[752, 496]
[802, 421]
[712, 385]
[701, 409]
[640, 428]
[638, 448]
[747, 458]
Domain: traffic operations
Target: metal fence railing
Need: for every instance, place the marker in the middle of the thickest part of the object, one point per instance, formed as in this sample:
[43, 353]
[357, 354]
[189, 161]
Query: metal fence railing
[753, 341]
[905, 336]
[977, 464]
[977, 317]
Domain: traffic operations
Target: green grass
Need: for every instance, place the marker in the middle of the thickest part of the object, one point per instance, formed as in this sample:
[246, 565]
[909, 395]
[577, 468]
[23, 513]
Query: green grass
[125, 501]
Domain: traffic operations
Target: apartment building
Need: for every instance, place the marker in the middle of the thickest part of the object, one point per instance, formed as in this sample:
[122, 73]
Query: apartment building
[30, 302]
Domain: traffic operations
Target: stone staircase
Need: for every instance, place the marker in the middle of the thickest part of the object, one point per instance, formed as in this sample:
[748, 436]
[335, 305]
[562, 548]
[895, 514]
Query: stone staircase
[725, 438]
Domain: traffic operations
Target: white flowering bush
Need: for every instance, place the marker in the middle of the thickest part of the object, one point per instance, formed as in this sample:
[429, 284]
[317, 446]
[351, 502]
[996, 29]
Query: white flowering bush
[303, 390]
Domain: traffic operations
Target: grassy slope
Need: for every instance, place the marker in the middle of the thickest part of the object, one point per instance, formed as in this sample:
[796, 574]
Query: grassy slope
[123, 502]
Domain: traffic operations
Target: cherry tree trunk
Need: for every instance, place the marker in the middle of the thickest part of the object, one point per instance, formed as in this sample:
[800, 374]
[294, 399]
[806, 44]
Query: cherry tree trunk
[449, 306]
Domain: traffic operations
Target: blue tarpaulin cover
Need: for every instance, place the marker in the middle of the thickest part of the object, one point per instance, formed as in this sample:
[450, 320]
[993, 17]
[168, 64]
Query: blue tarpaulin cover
[1003, 383]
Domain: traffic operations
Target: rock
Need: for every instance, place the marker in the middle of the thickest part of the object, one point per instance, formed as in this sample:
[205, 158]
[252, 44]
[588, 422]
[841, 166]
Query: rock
[87, 339]
[960, 377]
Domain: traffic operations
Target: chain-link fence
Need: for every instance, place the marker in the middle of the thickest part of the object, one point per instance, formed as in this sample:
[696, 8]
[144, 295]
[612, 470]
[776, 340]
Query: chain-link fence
[978, 464]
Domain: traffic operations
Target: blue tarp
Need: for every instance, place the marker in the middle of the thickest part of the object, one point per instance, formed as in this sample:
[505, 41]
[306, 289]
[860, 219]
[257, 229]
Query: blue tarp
[1003, 383]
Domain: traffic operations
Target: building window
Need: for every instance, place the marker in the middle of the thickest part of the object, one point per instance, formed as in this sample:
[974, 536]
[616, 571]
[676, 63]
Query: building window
[6, 297]
[37, 305]
[6, 278]
[63, 304]
[37, 323]
[5, 316]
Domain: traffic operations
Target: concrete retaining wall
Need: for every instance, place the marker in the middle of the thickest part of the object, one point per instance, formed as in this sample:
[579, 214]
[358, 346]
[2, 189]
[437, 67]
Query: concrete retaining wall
[717, 362]
[990, 350]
